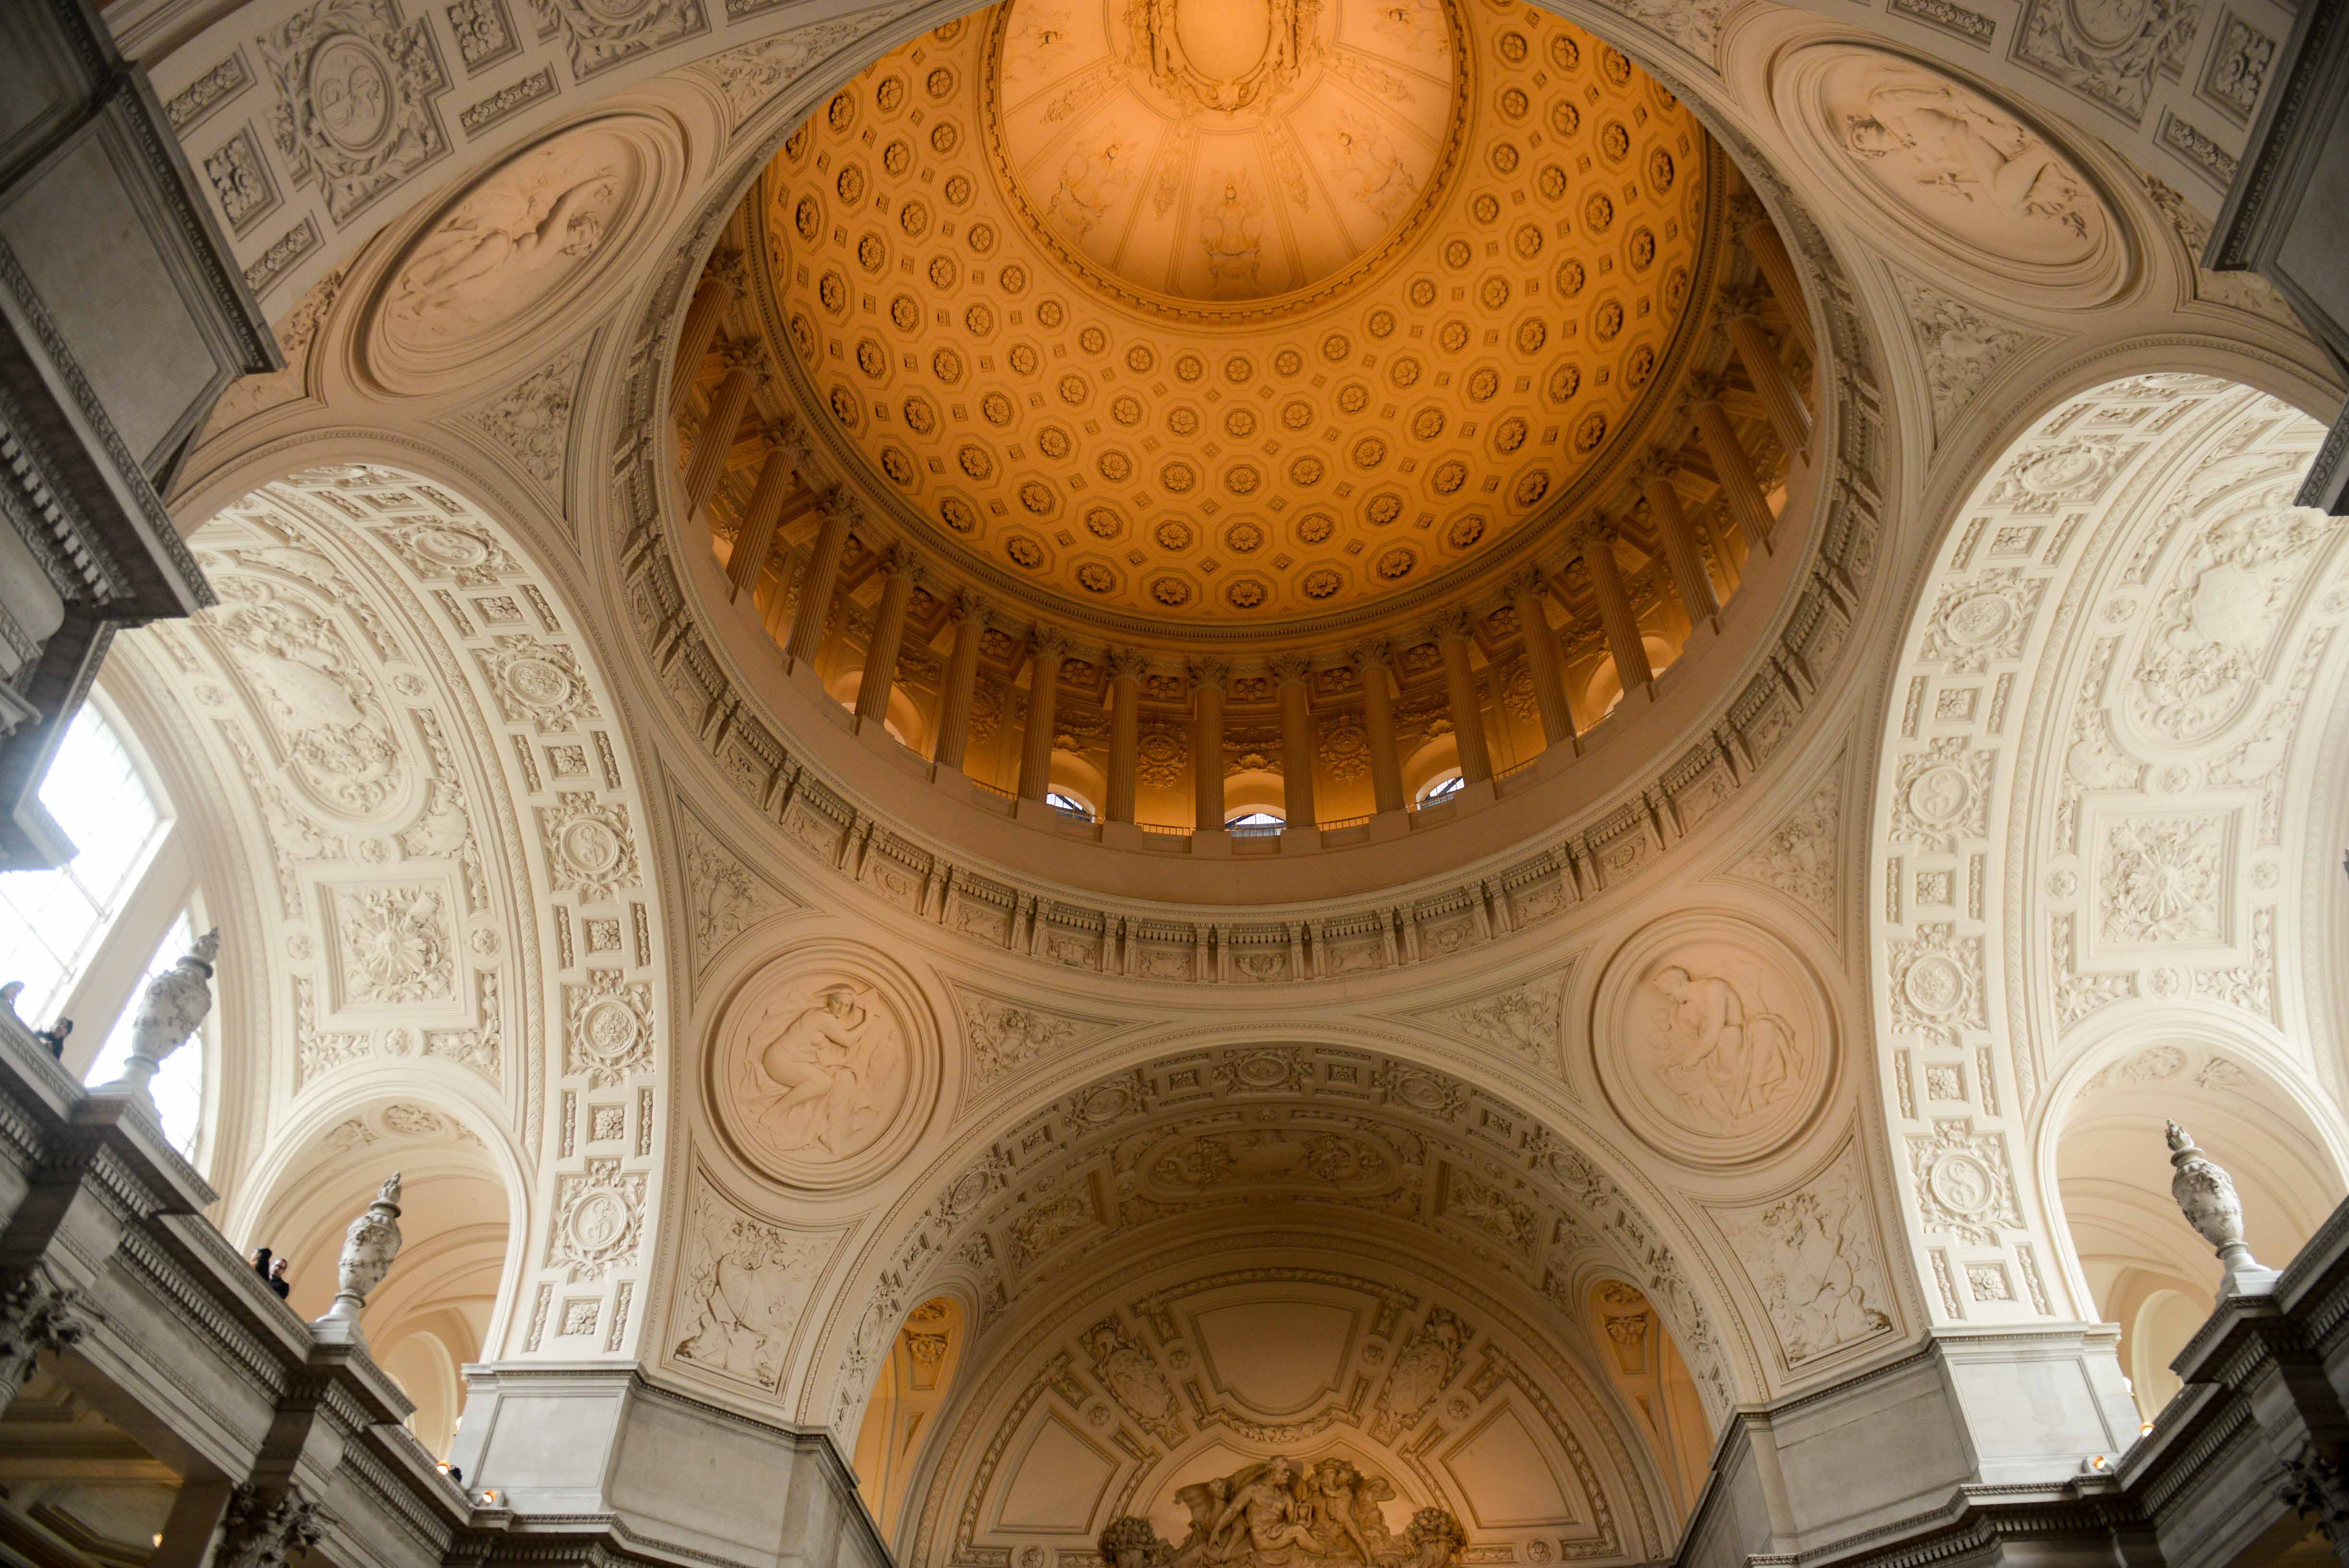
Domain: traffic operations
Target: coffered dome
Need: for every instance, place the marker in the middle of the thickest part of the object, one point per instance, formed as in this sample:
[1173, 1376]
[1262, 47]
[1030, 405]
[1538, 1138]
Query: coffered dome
[1258, 314]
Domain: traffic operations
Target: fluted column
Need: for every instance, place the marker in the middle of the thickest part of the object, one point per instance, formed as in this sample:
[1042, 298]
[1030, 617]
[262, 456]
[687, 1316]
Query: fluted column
[970, 619]
[1682, 553]
[836, 513]
[1527, 591]
[1379, 717]
[1293, 674]
[1739, 487]
[1126, 668]
[1046, 649]
[901, 572]
[1208, 678]
[713, 443]
[1595, 541]
[720, 287]
[1760, 238]
[1452, 635]
[779, 477]
[1741, 318]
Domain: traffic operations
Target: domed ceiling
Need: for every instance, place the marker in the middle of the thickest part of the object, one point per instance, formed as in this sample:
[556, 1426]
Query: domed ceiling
[1254, 312]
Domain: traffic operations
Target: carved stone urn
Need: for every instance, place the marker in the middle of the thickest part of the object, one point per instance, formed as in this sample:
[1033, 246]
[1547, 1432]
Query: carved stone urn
[368, 1248]
[175, 1003]
[2207, 1197]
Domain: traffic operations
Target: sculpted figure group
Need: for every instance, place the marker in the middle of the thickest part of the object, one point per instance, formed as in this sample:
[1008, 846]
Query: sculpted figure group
[1276, 1514]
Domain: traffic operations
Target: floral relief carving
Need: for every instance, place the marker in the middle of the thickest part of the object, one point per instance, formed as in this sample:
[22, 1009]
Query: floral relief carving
[607, 1027]
[2105, 51]
[1937, 982]
[1005, 1036]
[1799, 856]
[447, 551]
[1425, 1365]
[1129, 1372]
[2064, 472]
[1044, 1224]
[1526, 1019]
[744, 1283]
[2250, 986]
[1965, 1185]
[1982, 617]
[1813, 1262]
[318, 1051]
[590, 849]
[395, 945]
[324, 712]
[1941, 795]
[2079, 992]
[2215, 621]
[598, 1220]
[354, 99]
[2164, 880]
[601, 34]
[727, 898]
[537, 683]
[532, 419]
[753, 75]
[1963, 349]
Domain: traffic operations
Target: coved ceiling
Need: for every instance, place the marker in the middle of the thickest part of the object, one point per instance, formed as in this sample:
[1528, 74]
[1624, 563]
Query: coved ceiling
[1264, 318]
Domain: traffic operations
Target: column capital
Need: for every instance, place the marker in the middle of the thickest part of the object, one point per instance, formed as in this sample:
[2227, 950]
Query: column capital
[969, 606]
[1706, 387]
[1526, 582]
[838, 503]
[1745, 210]
[1453, 623]
[900, 561]
[1126, 664]
[1737, 301]
[1372, 651]
[1048, 642]
[745, 354]
[1210, 672]
[1654, 464]
[1594, 535]
[1290, 669]
[729, 269]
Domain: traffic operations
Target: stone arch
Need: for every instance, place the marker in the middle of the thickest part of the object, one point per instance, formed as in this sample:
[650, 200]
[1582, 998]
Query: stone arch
[446, 830]
[963, 1226]
[2065, 827]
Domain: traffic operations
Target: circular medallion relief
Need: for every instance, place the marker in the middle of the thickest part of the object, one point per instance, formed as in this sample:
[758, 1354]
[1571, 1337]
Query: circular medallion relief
[823, 1072]
[1935, 159]
[518, 249]
[1714, 1041]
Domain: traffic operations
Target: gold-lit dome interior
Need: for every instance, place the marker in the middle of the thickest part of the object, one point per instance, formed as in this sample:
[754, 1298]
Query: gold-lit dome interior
[1256, 312]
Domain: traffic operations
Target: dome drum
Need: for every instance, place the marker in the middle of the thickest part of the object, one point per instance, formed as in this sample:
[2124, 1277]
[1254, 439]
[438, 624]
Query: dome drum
[1405, 524]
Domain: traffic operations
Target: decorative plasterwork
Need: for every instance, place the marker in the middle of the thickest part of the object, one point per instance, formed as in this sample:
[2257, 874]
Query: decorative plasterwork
[1219, 1138]
[1814, 1260]
[1615, 844]
[1052, 389]
[2084, 803]
[426, 746]
[1181, 1361]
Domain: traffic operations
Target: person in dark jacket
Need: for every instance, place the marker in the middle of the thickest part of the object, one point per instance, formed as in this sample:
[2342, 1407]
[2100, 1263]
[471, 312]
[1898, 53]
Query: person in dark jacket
[277, 1280]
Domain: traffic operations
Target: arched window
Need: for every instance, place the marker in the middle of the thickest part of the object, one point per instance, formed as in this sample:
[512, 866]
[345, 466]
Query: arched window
[1061, 800]
[1441, 788]
[1253, 824]
[86, 938]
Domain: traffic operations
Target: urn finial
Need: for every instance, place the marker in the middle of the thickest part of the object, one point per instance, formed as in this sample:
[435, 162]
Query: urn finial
[175, 1003]
[368, 1248]
[2207, 1197]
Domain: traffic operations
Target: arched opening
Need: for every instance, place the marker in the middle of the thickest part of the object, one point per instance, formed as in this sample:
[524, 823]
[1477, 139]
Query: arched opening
[2146, 1270]
[912, 1384]
[1646, 1366]
[432, 1314]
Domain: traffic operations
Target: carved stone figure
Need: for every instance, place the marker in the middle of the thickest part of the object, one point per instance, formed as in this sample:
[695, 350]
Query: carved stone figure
[1726, 1059]
[1944, 153]
[825, 1070]
[1227, 57]
[1231, 233]
[1277, 1513]
[745, 1284]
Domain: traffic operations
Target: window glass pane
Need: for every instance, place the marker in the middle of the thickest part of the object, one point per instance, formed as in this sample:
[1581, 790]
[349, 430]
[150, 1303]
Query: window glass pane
[178, 1089]
[52, 921]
